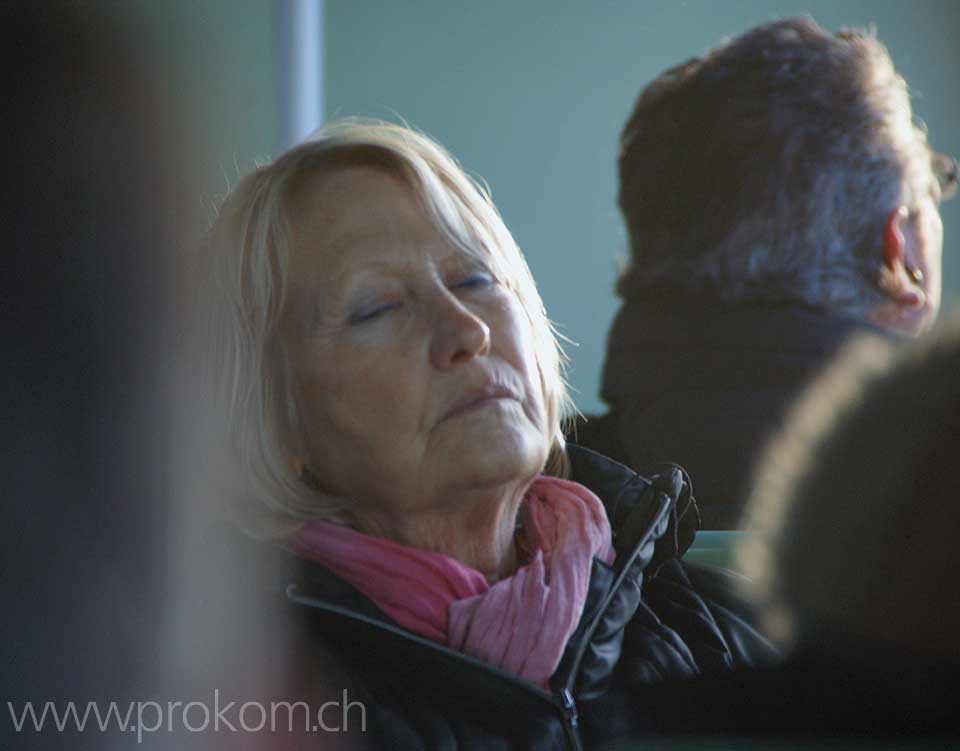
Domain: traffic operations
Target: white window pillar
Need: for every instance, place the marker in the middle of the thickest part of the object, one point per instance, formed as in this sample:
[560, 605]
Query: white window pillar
[300, 68]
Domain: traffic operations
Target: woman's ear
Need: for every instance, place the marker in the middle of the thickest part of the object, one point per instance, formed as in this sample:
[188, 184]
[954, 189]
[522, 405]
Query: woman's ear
[303, 473]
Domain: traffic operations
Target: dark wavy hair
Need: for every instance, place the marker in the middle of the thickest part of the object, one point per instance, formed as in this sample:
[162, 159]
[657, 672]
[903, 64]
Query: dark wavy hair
[765, 170]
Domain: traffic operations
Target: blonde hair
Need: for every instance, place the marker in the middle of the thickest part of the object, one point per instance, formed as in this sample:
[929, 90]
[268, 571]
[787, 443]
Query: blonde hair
[248, 251]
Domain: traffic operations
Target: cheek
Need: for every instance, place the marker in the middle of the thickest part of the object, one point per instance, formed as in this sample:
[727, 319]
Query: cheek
[371, 395]
[523, 344]
[329, 391]
[359, 422]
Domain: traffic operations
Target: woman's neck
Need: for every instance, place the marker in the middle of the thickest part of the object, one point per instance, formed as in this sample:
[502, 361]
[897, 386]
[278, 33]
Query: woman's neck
[478, 531]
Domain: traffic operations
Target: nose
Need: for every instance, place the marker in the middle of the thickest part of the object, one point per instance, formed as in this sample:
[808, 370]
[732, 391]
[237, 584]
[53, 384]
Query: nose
[459, 335]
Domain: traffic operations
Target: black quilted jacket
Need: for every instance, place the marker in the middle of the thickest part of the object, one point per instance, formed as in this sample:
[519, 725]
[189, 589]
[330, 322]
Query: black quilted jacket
[649, 618]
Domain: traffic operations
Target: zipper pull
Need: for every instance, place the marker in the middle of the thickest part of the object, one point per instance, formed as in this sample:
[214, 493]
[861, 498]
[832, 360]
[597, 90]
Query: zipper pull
[570, 718]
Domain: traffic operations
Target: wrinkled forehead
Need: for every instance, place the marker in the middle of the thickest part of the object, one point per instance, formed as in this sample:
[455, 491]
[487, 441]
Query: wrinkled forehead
[356, 221]
[330, 207]
[346, 203]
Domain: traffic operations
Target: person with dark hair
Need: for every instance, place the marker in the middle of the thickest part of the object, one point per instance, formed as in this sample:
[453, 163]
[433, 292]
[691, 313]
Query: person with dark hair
[778, 198]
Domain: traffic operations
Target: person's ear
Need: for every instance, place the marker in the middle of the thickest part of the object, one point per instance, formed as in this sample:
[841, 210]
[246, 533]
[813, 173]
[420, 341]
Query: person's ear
[904, 286]
[894, 243]
[304, 474]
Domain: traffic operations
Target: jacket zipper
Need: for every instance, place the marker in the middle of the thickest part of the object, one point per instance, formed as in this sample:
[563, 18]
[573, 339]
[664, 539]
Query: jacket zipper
[566, 704]
[570, 719]
[570, 714]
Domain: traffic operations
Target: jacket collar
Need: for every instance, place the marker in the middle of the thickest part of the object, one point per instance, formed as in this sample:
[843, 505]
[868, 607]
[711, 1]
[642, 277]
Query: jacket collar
[658, 510]
[653, 519]
[632, 502]
[660, 339]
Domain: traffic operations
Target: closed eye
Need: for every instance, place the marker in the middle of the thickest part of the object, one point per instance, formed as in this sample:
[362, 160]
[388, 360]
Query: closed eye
[367, 314]
[476, 280]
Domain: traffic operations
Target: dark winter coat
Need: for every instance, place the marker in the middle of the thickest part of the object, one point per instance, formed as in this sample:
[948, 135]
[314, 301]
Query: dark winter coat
[706, 385]
[649, 619]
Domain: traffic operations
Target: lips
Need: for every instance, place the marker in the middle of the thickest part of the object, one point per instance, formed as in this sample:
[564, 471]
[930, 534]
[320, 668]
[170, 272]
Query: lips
[478, 398]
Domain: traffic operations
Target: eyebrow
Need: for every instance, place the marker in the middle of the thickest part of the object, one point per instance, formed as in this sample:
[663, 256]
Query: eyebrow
[341, 290]
[464, 261]
[346, 288]
[341, 287]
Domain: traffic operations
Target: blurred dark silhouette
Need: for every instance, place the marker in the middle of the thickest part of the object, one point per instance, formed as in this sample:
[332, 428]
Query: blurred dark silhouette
[852, 554]
[120, 584]
[89, 192]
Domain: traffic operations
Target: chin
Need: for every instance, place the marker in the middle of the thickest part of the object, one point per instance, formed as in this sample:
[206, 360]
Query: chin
[509, 456]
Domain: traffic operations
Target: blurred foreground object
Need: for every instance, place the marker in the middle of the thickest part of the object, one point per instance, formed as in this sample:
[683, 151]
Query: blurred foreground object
[852, 556]
[856, 510]
[97, 159]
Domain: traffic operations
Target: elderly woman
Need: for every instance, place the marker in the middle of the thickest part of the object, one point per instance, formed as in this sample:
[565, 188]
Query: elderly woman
[395, 395]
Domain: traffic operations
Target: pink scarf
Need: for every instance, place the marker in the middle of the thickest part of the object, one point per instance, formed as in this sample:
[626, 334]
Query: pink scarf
[520, 623]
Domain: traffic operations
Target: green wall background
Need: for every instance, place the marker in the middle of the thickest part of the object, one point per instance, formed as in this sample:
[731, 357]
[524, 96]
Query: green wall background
[532, 95]
[221, 66]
